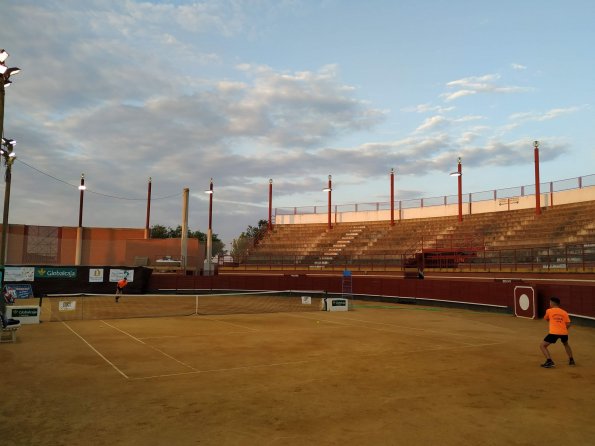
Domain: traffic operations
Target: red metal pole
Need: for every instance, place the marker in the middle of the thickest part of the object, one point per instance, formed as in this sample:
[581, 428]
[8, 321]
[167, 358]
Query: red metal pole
[537, 192]
[460, 182]
[392, 197]
[270, 204]
[211, 205]
[82, 193]
[330, 191]
[147, 228]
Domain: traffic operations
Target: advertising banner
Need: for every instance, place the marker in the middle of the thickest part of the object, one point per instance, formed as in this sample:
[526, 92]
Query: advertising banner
[117, 274]
[51, 272]
[19, 291]
[95, 274]
[19, 274]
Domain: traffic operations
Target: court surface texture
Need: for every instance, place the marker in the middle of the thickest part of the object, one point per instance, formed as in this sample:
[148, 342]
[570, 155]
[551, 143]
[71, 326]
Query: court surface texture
[382, 374]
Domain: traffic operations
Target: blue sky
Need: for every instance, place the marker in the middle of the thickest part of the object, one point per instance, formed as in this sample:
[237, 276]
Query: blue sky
[244, 91]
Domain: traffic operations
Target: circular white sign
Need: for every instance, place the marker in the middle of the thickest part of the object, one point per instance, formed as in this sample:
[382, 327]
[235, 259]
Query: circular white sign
[524, 302]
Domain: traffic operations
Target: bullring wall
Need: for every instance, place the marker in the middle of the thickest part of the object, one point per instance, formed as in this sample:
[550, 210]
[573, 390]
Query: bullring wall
[577, 298]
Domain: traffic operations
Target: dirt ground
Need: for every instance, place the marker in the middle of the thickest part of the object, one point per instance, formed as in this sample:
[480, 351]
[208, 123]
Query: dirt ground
[380, 375]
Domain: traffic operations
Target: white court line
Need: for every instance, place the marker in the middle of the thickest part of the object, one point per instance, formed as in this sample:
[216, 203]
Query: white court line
[310, 361]
[150, 346]
[96, 351]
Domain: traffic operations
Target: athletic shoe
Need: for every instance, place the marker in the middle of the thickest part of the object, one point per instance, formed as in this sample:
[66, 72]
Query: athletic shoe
[548, 364]
[571, 361]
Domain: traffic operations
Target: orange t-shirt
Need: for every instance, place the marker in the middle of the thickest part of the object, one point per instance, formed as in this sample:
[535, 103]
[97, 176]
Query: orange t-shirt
[558, 319]
[122, 283]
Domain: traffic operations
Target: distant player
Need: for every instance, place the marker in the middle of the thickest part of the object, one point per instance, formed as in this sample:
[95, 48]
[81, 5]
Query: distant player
[120, 287]
[559, 324]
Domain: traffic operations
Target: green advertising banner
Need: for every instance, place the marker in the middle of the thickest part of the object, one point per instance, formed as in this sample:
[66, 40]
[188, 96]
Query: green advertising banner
[25, 312]
[55, 273]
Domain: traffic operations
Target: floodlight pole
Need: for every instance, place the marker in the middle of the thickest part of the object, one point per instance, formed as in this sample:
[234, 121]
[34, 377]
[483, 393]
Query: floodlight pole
[8, 160]
[392, 197]
[537, 191]
[460, 187]
[270, 226]
[330, 191]
[79, 230]
[5, 74]
[147, 227]
[209, 260]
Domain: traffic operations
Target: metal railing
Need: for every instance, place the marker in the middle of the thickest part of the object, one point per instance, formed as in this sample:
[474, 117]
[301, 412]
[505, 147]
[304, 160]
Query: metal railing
[473, 197]
[559, 258]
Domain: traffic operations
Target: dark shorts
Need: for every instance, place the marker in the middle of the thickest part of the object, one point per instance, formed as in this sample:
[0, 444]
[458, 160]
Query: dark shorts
[119, 289]
[552, 338]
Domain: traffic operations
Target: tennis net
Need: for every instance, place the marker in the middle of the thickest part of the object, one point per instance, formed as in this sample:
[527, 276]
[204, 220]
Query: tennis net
[103, 306]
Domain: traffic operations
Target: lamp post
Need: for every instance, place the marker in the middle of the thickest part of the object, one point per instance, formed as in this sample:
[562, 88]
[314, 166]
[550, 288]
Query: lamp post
[208, 261]
[7, 152]
[392, 197]
[329, 189]
[8, 156]
[270, 226]
[459, 174]
[147, 227]
[537, 191]
[79, 229]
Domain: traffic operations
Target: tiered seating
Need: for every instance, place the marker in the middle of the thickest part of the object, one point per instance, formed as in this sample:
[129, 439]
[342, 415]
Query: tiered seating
[314, 245]
[558, 225]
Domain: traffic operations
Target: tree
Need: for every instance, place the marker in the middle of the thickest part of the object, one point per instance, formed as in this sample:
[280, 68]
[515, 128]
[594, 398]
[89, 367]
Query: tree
[160, 231]
[248, 239]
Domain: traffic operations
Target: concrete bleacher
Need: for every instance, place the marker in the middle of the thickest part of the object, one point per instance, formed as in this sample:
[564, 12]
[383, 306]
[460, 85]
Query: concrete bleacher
[317, 246]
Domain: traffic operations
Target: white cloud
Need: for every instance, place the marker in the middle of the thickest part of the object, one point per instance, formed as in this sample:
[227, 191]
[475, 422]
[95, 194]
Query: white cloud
[518, 67]
[425, 108]
[545, 116]
[431, 123]
[478, 84]
[441, 122]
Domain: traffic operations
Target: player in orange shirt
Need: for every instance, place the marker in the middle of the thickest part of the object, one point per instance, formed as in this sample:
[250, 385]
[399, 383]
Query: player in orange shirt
[120, 288]
[559, 324]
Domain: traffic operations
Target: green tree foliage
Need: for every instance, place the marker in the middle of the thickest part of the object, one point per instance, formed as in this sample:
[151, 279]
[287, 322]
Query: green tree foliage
[160, 231]
[248, 239]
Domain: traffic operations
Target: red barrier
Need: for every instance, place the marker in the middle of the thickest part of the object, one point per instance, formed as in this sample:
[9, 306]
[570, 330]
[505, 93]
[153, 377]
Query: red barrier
[576, 299]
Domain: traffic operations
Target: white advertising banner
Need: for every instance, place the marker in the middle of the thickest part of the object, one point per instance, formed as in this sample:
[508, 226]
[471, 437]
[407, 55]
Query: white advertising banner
[19, 274]
[117, 274]
[95, 274]
[67, 305]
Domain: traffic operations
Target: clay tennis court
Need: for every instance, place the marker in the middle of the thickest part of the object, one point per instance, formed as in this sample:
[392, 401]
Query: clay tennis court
[380, 375]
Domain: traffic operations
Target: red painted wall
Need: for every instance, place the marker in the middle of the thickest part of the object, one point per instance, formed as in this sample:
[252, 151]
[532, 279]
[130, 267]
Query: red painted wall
[576, 299]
